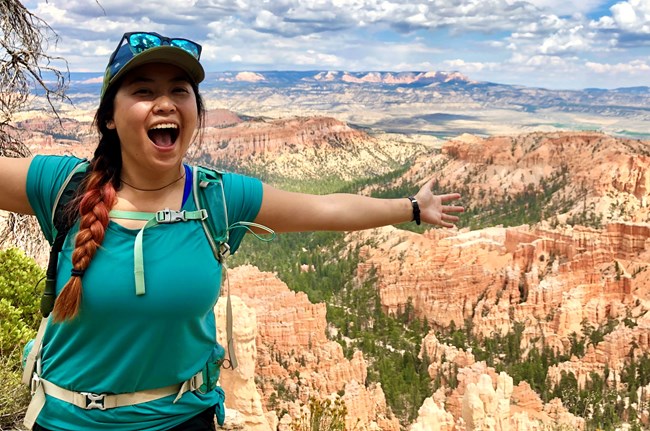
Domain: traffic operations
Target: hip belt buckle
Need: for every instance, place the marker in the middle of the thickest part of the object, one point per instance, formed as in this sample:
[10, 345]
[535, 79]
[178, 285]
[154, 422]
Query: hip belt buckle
[94, 401]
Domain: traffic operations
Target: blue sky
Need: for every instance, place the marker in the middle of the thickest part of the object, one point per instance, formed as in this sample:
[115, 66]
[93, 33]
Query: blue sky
[556, 44]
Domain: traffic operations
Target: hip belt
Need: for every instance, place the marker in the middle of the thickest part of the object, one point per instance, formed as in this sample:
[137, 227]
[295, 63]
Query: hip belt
[90, 401]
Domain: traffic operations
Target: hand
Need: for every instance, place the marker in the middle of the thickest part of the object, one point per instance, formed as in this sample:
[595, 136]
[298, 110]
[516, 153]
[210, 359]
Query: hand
[434, 209]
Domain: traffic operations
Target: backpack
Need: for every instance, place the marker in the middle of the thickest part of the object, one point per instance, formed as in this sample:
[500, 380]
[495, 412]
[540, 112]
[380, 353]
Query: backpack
[209, 198]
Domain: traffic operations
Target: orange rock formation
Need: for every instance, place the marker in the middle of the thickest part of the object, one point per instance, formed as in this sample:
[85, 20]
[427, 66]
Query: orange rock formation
[558, 282]
[295, 360]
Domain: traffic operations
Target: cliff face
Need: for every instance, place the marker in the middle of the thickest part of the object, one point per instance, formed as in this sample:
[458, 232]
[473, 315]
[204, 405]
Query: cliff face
[556, 282]
[285, 358]
[558, 277]
[303, 148]
[586, 174]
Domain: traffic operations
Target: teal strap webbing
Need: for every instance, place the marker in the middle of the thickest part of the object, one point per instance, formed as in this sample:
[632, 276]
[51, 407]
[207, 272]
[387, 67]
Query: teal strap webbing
[270, 235]
[131, 215]
[199, 182]
[165, 216]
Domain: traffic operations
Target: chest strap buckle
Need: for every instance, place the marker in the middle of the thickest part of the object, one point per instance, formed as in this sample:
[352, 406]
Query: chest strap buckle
[172, 216]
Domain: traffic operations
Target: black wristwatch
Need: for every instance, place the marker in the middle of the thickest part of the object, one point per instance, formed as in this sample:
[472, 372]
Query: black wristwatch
[416, 209]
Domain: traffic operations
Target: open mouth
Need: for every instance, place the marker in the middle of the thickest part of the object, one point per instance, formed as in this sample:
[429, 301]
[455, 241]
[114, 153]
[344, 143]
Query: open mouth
[164, 135]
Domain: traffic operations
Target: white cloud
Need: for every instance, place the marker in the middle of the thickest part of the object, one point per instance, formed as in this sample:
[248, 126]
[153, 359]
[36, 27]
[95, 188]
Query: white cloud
[469, 67]
[314, 58]
[604, 22]
[53, 15]
[629, 22]
[571, 40]
[632, 16]
[564, 7]
[635, 67]
[547, 64]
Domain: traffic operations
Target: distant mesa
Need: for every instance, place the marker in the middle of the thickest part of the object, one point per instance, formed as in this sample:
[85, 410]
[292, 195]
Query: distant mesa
[241, 77]
[394, 78]
[249, 77]
[334, 76]
[327, 76]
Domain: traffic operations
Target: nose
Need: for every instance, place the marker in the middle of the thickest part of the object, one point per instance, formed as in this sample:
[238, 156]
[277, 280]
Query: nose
[164, 104]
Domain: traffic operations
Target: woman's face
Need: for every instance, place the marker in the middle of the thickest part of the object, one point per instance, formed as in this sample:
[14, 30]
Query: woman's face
[155, 116]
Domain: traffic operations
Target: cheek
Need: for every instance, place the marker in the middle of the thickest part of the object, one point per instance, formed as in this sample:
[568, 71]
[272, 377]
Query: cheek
[192, 122]
[128, 118]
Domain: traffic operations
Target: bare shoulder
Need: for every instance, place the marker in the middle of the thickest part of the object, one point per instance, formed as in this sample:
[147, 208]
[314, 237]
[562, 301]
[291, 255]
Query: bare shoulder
[13, 184]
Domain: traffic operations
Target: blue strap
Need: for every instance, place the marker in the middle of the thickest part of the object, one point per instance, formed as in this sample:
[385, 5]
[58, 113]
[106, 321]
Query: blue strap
[188, 184]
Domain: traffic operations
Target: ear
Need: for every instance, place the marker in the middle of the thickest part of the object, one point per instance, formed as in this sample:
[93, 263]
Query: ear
[110, 124]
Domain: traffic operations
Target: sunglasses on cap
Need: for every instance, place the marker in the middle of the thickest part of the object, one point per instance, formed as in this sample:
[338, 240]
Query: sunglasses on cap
[142, 41]
[138, 48]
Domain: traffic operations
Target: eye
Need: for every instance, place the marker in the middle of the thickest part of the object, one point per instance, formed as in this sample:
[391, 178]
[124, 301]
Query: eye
[142, 91]
[181, 90]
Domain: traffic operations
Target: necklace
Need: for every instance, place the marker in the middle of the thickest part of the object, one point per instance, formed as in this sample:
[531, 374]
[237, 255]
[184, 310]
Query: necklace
[153, 190]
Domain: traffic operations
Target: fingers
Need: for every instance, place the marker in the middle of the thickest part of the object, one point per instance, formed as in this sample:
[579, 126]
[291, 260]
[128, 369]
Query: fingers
[453, 209]
[445, 216]
[451, 218]
[449, 197]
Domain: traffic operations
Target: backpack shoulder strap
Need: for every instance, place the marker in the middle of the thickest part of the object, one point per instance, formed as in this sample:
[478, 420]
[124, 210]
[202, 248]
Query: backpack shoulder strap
[62, 224]
[64, 196]
[209, 194]
[207, 189]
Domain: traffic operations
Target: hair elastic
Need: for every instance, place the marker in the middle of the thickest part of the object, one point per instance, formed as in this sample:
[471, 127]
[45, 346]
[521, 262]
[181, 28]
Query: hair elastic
[77, 272]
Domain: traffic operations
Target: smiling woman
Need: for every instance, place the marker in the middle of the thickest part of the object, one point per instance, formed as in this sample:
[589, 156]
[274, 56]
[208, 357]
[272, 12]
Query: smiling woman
[154, 366]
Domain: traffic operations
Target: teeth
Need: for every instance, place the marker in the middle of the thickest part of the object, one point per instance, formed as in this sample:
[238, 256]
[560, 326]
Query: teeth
[165, 126]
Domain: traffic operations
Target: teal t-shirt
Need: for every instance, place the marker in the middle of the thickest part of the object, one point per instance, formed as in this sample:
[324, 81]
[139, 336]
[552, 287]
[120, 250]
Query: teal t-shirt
[120, 342]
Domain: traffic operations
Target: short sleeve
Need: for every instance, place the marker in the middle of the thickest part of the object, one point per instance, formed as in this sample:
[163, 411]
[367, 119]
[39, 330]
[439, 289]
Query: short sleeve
[45, 177]
[243, 199]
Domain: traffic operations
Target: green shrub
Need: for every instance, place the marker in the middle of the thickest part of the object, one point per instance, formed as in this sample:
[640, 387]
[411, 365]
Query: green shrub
[19, 299]
[324, 415]
[14, 396]
[19, 319]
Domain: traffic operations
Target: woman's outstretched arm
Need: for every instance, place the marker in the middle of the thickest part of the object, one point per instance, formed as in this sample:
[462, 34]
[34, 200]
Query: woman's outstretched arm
[13, 180]
[285, 211]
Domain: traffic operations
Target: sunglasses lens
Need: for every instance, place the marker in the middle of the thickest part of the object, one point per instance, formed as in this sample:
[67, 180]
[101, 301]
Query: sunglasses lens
[186, 45]
[142, 41]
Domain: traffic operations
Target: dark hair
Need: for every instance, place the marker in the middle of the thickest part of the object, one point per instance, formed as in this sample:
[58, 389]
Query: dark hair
[97, 196]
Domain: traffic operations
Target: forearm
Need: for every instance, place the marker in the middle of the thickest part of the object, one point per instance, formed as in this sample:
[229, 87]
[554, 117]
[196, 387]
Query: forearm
[346, 212]
[297, 212]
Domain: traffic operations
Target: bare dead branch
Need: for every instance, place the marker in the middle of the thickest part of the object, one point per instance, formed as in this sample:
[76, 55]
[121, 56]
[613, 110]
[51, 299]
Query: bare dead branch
[25, 69]
[25, 66]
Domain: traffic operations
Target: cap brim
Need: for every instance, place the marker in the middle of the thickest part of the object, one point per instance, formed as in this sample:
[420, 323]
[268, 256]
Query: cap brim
[164, 54]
